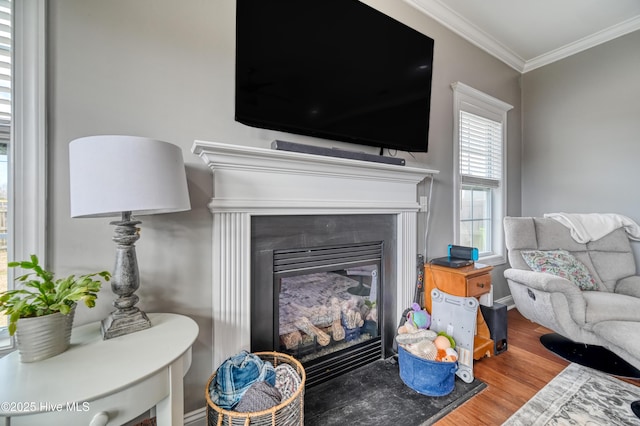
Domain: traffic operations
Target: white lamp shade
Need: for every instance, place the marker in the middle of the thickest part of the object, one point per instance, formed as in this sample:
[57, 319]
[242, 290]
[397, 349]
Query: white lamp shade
[109, 175]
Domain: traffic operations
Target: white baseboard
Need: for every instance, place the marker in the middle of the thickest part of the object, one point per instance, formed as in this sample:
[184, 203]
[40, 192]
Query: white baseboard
[196, 418]
[507, 300]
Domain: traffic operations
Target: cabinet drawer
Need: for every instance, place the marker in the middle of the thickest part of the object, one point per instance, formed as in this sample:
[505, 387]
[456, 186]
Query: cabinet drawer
[479, 285]
[120, 407]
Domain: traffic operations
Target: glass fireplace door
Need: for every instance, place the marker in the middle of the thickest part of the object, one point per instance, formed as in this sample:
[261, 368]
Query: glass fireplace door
[327, 300]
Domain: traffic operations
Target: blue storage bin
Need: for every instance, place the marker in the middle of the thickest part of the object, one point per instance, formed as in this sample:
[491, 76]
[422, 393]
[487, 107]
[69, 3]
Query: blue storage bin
[431, 378]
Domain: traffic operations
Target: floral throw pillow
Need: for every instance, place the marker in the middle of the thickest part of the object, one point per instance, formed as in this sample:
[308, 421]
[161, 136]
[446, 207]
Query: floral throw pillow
[562, 264]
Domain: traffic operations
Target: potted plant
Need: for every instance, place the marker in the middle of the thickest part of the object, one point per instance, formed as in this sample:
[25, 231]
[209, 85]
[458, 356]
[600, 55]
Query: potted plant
[42, 309]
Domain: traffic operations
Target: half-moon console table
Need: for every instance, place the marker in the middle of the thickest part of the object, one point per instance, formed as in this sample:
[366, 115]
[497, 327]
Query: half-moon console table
[102, 382]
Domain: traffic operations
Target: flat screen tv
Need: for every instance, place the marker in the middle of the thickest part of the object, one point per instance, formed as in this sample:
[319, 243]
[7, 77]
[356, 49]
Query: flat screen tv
[335, 69]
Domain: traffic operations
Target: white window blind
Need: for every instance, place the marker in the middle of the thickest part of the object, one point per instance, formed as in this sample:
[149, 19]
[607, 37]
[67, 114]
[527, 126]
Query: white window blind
[6, 53]
[5, 72]
[480, 150]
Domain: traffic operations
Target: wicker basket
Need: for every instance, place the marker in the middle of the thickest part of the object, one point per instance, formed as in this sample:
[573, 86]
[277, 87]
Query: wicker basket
[287, 413]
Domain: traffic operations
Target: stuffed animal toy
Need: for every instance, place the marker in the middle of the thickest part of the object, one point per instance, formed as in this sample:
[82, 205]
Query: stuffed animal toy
[442, 342]
[451, 355]
[420, 318]
[452, 343]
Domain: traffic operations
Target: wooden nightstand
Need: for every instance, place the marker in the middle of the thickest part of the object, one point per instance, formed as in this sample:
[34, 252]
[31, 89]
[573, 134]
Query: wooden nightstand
[468, 281]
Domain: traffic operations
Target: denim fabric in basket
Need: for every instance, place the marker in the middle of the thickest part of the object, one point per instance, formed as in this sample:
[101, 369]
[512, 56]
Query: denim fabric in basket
[236, 375]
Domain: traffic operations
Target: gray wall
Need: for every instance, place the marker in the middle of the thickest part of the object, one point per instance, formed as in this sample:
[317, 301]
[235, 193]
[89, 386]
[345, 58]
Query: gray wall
[581, 130]
[163, 69]
[455, 59]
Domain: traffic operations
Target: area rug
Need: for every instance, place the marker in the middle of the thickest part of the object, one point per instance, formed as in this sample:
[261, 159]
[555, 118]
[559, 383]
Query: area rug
[375, 395]
[579, 396]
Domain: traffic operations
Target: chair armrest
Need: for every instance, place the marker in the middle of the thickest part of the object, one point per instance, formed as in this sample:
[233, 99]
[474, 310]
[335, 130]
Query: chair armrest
[566, 307]
[543, 282]
[629, 286]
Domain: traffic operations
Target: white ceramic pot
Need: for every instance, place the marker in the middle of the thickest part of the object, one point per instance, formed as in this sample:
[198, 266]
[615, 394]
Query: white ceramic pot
[42, 337]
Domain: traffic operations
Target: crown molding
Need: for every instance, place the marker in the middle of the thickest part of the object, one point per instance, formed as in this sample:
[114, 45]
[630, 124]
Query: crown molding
[438, 11]
[467, 30]
[623, 28]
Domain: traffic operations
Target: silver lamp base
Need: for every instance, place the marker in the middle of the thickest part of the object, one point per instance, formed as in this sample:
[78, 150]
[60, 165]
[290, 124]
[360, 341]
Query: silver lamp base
[127, 318]
[119, 324]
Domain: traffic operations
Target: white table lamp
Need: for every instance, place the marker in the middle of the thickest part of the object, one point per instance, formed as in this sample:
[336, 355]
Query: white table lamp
[122, 175]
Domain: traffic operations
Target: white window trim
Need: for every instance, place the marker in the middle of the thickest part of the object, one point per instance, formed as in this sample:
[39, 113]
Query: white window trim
[472, 100]
[27, 169]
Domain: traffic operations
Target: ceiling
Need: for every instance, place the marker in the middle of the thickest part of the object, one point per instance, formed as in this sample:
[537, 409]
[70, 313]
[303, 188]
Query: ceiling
[527, 34]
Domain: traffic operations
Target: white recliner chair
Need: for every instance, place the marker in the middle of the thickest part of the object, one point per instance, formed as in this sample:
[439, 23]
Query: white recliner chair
[606, 316]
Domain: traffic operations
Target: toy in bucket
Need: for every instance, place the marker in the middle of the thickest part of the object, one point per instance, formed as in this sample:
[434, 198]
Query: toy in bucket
[431, 378]
[428, 360]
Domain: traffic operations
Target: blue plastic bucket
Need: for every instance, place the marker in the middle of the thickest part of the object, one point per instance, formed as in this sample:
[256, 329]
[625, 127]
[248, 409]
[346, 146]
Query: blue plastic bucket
[431, 378]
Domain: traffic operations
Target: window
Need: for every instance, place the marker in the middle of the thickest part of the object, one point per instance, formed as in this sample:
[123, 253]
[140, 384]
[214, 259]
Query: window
[480, 123]
[6, 36]
[22, 132]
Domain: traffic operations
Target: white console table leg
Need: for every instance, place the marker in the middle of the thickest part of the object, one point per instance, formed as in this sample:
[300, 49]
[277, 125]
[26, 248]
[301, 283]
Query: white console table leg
[170, 411]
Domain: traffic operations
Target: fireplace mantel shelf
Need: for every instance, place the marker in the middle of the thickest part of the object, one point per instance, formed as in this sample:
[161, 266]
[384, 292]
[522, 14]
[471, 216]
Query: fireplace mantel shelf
[267, 181]
[250, 181]
[214, 153]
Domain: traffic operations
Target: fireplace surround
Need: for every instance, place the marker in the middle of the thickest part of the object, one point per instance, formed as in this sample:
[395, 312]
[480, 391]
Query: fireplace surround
[250, 183]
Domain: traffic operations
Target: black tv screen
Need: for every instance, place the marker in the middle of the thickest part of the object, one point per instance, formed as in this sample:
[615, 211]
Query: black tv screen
[335, 69]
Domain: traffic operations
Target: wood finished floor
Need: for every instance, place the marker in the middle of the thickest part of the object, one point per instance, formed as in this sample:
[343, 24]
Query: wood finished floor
[513, 377]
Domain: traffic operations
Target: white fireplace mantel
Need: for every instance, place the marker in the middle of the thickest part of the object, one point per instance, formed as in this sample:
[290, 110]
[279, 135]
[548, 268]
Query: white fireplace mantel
[250, 181]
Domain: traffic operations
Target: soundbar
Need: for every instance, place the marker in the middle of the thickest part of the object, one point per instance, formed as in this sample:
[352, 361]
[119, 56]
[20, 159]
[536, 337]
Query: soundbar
[335, 152]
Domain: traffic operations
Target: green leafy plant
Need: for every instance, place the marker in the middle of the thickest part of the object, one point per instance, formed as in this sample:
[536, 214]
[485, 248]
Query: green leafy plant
[41, 295]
